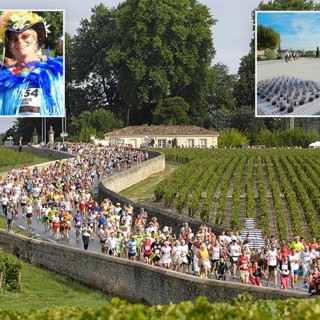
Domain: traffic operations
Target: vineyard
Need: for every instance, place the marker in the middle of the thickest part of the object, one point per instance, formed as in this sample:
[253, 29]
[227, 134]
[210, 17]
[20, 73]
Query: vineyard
[280, 189]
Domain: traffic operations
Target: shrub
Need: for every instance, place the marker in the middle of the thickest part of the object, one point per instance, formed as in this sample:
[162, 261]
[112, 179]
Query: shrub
[10, 268]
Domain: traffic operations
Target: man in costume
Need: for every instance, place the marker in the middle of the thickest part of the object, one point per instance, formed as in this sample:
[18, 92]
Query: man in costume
[29, 86]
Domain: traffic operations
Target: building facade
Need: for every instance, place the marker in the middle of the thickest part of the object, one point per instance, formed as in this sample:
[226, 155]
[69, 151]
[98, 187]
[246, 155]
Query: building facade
[183, 136]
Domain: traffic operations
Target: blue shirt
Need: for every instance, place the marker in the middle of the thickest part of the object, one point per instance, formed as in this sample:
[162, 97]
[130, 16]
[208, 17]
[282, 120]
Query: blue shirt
[133, 245]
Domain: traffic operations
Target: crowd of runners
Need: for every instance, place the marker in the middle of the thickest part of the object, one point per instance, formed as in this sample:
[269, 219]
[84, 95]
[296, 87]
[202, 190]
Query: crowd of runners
[60, 195]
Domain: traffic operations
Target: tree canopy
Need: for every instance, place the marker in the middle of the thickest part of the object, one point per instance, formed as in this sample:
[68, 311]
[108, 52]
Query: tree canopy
[172, 111]
[142, 52]
[267, 38]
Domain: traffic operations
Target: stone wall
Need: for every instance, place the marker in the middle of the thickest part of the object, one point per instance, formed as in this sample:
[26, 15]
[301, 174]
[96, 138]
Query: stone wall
[109, 187]
[137, 173]
[43, 152]
[134, 281]
[165, 218]
[55, 155]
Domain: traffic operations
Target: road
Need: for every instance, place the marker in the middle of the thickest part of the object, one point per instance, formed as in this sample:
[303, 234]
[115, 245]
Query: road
[94, 246]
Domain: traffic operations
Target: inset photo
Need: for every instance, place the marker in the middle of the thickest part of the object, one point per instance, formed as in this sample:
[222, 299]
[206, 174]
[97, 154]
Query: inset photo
[287, 64]
[32, 67]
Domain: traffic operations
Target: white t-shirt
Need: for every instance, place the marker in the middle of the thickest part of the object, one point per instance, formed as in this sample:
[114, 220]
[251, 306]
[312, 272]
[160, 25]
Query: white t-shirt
[272, 258]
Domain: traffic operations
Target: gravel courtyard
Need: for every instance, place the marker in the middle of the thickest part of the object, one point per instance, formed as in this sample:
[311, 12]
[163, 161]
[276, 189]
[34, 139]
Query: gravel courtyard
[293, 88]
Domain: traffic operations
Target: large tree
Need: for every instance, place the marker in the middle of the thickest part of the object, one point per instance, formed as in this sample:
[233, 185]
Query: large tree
[145, 51]
[93, 84]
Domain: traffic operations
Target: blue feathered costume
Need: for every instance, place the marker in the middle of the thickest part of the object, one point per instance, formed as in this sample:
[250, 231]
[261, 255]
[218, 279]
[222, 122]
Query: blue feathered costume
[38, 88]
[47, 76]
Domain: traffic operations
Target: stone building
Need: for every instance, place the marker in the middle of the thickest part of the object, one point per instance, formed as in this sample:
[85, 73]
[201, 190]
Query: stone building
[162, 136]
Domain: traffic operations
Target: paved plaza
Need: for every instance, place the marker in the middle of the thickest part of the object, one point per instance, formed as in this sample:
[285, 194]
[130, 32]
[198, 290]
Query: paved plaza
[293, 88]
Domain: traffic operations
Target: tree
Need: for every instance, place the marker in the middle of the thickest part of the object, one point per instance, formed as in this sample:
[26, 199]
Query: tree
[221, 119]
[93, 84]
[149, 50]
[288, 5]
[85, 133]
[317, 54]
[101, 120]
[245, 86]
[54, 19]
[172, 111]
[221, 93]
[232, 138]
[267, 38]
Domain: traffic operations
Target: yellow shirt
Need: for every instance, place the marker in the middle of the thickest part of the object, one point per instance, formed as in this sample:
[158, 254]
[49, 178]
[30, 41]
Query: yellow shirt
[297, 246]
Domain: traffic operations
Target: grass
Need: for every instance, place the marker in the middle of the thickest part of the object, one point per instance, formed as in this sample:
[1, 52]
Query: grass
[37, 160]
[144, 190]
[42, 289]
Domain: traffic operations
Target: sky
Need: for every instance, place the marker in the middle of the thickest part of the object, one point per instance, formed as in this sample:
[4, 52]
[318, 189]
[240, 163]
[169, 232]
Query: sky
[231, 34]
[298, 30]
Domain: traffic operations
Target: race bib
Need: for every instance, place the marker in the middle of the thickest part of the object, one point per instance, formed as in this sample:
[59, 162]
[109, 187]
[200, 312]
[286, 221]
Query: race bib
[284, 267]
[306, 259]
[157, 251]
[31, 100]
[147, 248]
[245, 266]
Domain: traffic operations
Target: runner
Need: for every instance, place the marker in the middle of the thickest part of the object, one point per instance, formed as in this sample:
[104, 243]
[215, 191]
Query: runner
[255, 274]
[56, 227]
[272, 257]
[156, 252]
[29, 213]
[244, 265]
[86, 233]
[146, 248]
[77, 220]
[285, 270]
[67, 224]
[132, 248]
[166, 255]
[176, 256]
[295, 266]
[203, 261]
[234, 252]
[111, 245]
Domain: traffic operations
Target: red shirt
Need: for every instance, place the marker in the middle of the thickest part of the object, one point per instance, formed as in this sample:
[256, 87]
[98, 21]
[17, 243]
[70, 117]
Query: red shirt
[313, 245]
[147, 247]
[243, 263]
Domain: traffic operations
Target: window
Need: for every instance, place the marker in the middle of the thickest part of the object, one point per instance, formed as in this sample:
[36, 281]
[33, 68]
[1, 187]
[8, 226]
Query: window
[120, 141]
[162, 143]
[203, 143]
[190, 142]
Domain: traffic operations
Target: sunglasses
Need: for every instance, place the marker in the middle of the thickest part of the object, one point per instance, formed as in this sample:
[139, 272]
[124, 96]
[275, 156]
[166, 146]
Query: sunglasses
[25, 37]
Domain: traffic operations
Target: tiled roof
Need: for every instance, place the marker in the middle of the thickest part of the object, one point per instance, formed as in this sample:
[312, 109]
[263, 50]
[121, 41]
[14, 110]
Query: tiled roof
[161, 130]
